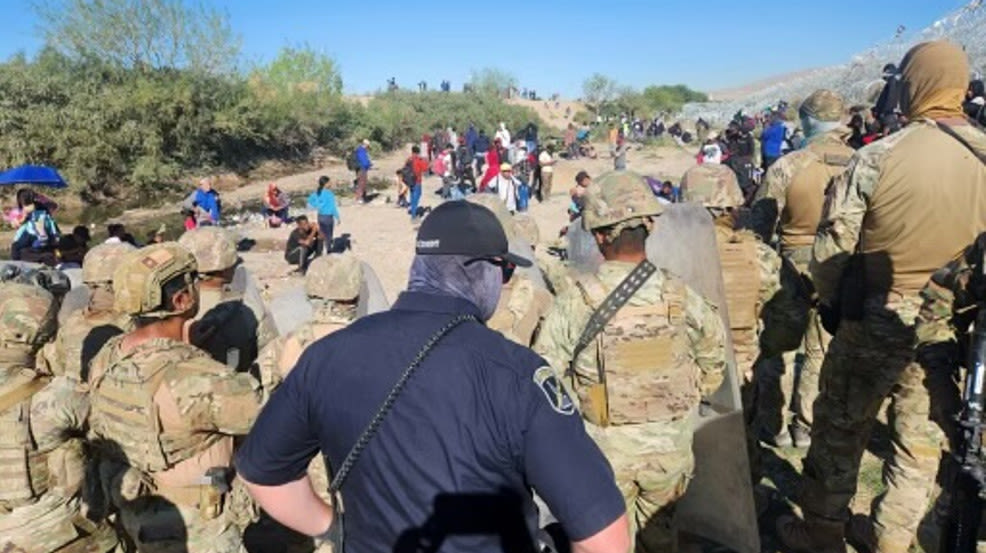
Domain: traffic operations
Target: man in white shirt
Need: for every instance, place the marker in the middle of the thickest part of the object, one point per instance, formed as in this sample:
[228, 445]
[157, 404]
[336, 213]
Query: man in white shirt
[506, 185]
[546, 161]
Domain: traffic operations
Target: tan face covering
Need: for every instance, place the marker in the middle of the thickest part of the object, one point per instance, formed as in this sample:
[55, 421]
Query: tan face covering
[934, 76]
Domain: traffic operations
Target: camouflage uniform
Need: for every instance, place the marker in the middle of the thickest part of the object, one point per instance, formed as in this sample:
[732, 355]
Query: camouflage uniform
[84, 332]
[901, 230]
[662, 351]
[231, 327]
[523, 303]
[163, 414]
[791, 201]
[42, 465]
[750, 269]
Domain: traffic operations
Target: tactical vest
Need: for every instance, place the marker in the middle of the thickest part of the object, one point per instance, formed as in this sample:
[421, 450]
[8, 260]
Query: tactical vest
[519, 311]
[301, 338]
[806, 193]
[23, 469]
[125, 413]
[644, 353]
[741, 280]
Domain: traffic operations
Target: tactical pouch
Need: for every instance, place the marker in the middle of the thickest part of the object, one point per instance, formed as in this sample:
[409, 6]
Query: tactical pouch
[596, 410]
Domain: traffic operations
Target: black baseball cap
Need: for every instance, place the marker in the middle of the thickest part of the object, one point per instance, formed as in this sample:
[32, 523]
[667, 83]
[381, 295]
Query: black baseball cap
[463, 228]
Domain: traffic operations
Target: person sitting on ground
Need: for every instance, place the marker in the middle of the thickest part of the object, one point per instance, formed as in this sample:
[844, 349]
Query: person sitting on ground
[303, 244]
[37, 234]
[206, 203]
[158, 236]
[275, 208]
[69, 255]
[115, 233]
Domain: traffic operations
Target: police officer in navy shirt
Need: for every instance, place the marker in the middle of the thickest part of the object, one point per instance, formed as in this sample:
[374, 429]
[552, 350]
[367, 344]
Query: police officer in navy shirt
[478, 424]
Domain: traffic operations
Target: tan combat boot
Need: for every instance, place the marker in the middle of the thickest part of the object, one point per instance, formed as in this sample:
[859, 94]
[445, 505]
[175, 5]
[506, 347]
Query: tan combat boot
[813, 535]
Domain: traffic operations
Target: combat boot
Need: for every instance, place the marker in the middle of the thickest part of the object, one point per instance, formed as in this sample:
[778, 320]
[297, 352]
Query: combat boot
[800, 435]
[813, 535]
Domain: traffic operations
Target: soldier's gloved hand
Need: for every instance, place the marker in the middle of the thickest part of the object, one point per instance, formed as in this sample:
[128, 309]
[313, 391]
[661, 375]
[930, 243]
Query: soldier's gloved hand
[830, 317]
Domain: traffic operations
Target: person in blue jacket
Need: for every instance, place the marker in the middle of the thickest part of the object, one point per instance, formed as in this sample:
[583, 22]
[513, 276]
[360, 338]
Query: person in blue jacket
[207, 203]
[324, 202]
[363, 165]
[772, 141]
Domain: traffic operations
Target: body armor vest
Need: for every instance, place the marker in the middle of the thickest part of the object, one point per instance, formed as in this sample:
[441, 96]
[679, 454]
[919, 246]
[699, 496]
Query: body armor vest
[23, 469]
[650, 374]
[124, 410]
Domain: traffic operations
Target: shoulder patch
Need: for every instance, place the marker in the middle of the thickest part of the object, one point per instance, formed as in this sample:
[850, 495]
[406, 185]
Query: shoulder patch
[837, 160]
[555, 393]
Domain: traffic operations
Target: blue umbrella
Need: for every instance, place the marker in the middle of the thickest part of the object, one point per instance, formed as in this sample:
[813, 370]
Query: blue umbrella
[39, 175]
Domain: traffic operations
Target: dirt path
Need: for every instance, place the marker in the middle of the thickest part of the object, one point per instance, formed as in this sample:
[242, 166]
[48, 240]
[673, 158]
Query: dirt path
[382, 235]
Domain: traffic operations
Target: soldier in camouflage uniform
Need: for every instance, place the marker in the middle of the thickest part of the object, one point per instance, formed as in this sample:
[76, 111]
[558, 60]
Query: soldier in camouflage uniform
[84, 332]
[523, 303]
[750, 269]
[899, 228]
[164, 415]
[948, 310]
[231, 327]
[790, 202]
[661, 352]
[42, 464]
[332, 285]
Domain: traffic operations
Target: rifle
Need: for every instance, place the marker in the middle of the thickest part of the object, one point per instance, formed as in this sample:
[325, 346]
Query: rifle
[961, 526]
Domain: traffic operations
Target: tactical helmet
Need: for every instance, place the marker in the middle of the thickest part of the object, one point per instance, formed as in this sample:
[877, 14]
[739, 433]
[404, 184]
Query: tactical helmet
[712, 186]
[28, 314]
[495, 204]
[619, 197]
[824, 105]
[527, 228]
[139, 277]
[214, 249]
[100, 262]
[334, 277]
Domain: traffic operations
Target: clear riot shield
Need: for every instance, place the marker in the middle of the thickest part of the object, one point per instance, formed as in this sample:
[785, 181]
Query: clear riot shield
[291, 308]
[719, 502]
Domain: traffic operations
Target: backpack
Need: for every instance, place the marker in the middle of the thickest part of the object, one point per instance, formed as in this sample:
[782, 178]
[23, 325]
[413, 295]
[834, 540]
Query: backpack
[351, 163]
[407, 172]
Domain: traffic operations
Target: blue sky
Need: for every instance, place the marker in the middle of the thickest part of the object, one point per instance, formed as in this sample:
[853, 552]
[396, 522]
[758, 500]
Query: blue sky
[553, 45]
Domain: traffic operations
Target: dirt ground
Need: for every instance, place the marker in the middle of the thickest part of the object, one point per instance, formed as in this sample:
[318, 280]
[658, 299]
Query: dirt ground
[382, 234]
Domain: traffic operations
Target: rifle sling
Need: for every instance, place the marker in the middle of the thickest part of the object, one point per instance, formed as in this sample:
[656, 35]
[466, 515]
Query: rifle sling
[608, 309]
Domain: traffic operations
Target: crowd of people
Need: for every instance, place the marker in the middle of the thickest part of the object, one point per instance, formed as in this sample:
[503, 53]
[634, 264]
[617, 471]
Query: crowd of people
[503, 372]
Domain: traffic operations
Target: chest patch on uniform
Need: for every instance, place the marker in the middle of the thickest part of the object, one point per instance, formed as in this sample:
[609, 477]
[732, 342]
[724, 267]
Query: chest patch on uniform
[557, 397]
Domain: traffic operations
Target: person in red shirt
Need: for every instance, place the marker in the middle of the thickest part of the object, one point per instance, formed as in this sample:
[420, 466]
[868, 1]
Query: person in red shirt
[418, 165]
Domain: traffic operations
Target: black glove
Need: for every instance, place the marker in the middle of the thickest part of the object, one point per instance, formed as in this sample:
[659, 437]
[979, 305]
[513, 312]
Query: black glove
[830, 316]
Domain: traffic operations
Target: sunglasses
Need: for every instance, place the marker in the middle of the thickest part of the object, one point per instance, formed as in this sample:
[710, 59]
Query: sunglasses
[506, 268]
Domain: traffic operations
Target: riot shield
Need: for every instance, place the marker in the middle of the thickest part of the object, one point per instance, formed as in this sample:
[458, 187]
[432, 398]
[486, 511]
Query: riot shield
[719, 502]
[372, 298]
[291, 308]
[521, 247]
[582, 249]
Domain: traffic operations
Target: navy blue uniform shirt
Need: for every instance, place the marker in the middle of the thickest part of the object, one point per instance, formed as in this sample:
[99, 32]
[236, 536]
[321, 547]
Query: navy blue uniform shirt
[480, 423]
